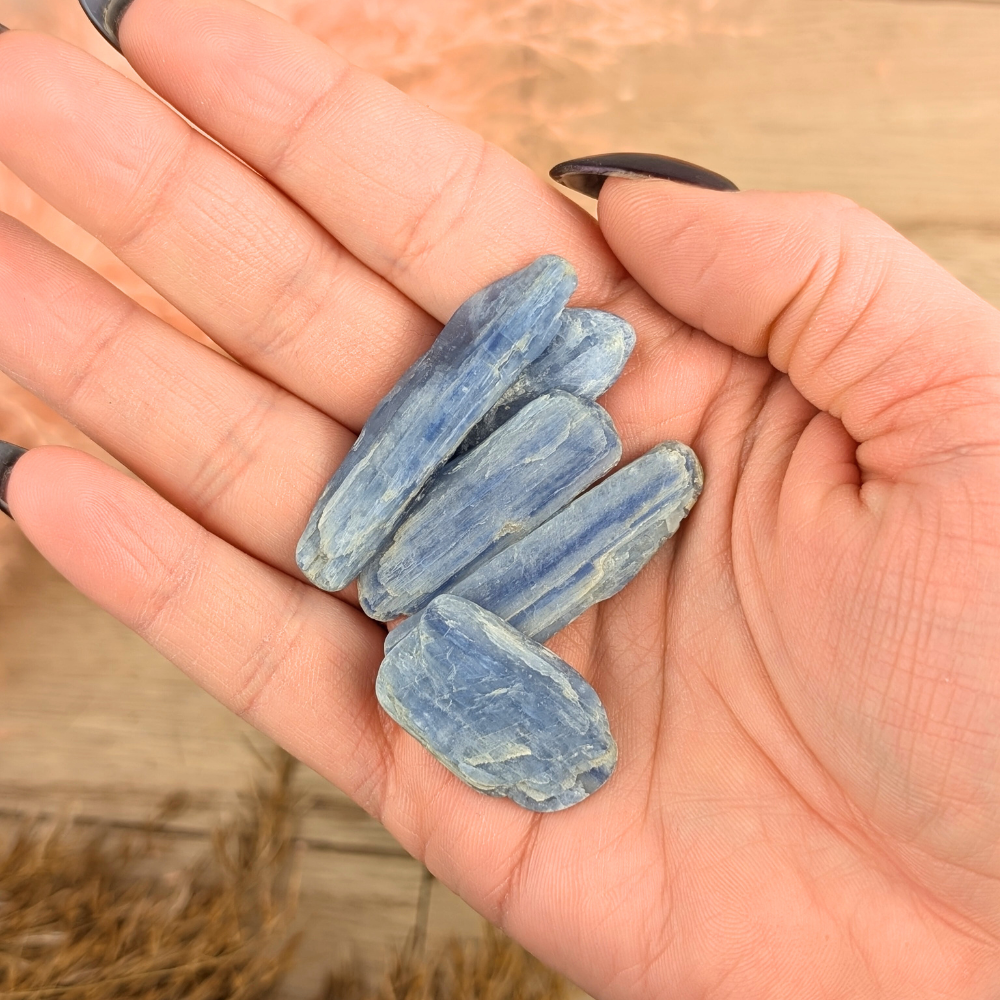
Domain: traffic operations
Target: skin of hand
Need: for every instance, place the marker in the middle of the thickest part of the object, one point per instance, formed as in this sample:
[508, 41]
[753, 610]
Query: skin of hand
[804, 684]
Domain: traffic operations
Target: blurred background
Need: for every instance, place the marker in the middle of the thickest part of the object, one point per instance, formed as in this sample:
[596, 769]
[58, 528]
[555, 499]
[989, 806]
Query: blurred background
[894, 103]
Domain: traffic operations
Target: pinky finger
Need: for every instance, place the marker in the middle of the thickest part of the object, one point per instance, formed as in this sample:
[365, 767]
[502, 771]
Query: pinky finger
[293, 661]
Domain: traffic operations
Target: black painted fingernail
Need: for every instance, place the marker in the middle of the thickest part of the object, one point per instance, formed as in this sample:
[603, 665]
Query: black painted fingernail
[3, 28]
[587, 174]
[106, 16]
[9, 454]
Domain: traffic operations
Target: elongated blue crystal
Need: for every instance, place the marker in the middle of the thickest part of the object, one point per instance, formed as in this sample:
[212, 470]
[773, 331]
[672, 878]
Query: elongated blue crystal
[477, 505]
[589, 550]
[586, 356]
[500, 711]
[423, 419]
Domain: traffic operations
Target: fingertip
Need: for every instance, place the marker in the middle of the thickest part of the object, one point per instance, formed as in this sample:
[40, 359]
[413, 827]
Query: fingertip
[21, 483]
[51, 488]
[90, 521]
[748, 267]
[674, 239]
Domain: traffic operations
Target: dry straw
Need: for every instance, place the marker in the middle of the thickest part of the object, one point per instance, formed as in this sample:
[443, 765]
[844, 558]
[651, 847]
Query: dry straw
[96, 914]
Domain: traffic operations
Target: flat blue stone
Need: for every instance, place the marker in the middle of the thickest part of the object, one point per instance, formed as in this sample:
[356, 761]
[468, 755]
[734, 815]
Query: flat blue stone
[586, 356]
[423, 419]
[477, 505]
[589, 550]
[500, 711]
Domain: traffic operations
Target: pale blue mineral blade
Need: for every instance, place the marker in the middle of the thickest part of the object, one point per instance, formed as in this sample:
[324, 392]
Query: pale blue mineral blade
[589, 550]
[500, 711]
[477, 505]
[423, 419]
[585, 358]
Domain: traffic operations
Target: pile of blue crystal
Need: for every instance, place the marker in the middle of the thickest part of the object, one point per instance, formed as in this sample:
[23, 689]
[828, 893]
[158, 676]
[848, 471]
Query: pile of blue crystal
[468, 505]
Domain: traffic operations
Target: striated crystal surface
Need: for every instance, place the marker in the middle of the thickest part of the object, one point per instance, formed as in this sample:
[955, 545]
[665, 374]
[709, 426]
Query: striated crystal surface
[532, 466]
[500, 711]
[586, 356]
[589, 550]
[423, 419]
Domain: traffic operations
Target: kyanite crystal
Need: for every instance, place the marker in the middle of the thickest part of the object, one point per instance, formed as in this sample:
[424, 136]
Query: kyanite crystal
[535, 464]
[586, 356]
[424, 418]
[589, 550]
[500, 711]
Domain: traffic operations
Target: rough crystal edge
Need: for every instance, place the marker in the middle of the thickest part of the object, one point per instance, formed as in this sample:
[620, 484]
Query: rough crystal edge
[561, 616]
[384, 601]
[574, 686]
[561, 366]
[464, 331]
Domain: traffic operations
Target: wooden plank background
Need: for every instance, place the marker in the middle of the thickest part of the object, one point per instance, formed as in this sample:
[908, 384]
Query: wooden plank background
[97, 726]
[895, 104]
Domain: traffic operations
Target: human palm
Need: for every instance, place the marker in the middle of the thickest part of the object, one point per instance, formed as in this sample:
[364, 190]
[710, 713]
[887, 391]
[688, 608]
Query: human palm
[803, 684]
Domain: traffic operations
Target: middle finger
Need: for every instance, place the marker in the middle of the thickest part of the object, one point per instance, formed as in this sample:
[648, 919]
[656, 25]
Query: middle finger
[247, 265]
[241, 455]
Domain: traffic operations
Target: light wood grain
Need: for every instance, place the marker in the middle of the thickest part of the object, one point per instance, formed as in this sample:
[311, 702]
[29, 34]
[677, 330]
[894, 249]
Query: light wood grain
[893, 103]
[96, 726]
[95, 720]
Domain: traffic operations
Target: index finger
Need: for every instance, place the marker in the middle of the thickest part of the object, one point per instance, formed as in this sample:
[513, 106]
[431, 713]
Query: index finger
[420, 200]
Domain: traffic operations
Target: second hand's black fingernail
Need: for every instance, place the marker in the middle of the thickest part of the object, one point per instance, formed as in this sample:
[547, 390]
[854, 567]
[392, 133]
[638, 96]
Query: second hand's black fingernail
[9, 454]
[106, 16]
[587, 174]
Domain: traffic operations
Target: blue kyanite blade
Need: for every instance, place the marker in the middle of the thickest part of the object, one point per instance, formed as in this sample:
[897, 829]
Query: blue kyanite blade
[586, 356]
[589, 550]
[422, 421]
[502, 712]
[476, 505]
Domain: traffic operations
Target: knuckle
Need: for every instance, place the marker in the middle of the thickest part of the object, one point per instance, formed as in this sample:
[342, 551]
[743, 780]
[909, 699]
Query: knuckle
[844, 226]
[154, 186]
[295, 130]
[85, 368]
[228, 461]
[301, 296]
[268, 659]
[168, 579]
[442, 212]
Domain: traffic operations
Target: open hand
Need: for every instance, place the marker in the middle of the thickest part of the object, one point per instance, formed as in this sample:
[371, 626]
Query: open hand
[804, 684]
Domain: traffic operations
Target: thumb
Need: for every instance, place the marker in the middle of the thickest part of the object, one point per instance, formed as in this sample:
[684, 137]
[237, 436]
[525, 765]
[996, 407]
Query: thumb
[867, 327]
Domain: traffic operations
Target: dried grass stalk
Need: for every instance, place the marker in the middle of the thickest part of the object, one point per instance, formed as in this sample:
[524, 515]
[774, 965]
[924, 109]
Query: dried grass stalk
[84, 915]
[493, 968]
[92, 915]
